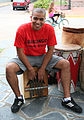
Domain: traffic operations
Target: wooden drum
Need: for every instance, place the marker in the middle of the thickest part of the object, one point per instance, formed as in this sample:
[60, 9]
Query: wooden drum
[71, 52]
[34, 88]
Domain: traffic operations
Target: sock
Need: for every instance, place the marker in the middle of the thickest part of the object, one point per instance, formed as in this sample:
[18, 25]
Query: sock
[20, 97]
[67, 99]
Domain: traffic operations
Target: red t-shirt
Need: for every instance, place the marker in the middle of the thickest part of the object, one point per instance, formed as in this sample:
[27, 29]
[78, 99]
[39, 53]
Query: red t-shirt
[34, 42]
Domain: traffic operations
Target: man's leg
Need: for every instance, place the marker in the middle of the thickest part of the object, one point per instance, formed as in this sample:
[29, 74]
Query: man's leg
[64, 65]
[12, 79]
[67, 102]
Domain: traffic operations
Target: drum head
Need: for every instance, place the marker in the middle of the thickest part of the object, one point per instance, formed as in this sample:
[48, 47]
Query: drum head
[68, 47]
[73, 30]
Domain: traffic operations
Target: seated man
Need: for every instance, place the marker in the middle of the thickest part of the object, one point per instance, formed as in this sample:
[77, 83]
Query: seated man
[31, 41]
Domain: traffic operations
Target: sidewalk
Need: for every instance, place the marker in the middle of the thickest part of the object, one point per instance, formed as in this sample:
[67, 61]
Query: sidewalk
[44, 108]
[5, 4]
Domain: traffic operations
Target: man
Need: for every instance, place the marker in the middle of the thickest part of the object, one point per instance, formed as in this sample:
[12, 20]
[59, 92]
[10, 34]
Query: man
[31, 40]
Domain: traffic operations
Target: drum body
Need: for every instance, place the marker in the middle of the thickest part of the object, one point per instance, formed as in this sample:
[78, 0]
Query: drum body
[73, 36]
[70, 52]
[81, 72]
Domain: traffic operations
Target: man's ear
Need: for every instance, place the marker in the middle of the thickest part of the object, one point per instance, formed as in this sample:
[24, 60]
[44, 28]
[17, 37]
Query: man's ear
[45, 19]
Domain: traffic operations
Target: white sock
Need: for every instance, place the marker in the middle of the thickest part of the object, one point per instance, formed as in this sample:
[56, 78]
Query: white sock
[67, 99]
[20, 97]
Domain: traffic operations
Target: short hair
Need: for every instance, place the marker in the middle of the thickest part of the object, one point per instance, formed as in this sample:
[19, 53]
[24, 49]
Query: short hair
[39, 10]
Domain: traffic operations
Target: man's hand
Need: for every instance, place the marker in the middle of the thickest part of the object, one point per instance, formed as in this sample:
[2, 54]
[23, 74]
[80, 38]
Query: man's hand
[32, 74]
[23, 58]
[41, 73]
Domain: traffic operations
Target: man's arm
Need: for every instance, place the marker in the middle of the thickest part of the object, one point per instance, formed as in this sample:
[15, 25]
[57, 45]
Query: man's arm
[25, 61]
[46, 60]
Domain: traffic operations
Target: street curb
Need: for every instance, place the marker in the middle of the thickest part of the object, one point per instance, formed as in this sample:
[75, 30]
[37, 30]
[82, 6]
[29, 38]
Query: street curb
[74, 15]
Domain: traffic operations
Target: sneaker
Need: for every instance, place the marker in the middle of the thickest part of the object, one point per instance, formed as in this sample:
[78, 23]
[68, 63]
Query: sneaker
[17, 104]
[72, 105]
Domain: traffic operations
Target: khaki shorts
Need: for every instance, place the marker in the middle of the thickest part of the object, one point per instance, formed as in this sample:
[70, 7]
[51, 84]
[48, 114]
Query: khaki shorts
[36, 61]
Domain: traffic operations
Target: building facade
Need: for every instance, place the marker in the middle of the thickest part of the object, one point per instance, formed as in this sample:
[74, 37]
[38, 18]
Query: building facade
[77, 3]
[69, 4]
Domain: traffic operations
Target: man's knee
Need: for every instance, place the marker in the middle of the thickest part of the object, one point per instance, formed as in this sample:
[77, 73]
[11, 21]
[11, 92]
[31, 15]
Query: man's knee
[11, 68]
[66, 64]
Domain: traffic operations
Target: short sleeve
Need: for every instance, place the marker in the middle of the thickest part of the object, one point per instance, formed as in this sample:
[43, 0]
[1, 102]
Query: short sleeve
[52, 37]
[20, 37]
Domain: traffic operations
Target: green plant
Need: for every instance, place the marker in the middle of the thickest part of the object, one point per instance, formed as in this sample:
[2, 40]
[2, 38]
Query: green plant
[42, 4]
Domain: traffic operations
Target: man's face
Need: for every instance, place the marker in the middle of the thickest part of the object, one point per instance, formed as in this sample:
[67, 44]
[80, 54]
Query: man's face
[38, 20]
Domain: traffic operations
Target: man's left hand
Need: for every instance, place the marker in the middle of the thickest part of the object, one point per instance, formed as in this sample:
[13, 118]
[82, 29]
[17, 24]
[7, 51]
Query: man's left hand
[41, 74]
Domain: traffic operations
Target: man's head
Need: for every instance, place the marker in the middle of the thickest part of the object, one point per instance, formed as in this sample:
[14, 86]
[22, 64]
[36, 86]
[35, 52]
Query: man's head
[38, 18]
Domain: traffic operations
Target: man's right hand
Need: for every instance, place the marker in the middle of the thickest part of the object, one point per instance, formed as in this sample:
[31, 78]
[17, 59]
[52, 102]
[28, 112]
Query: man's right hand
[31, 74]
